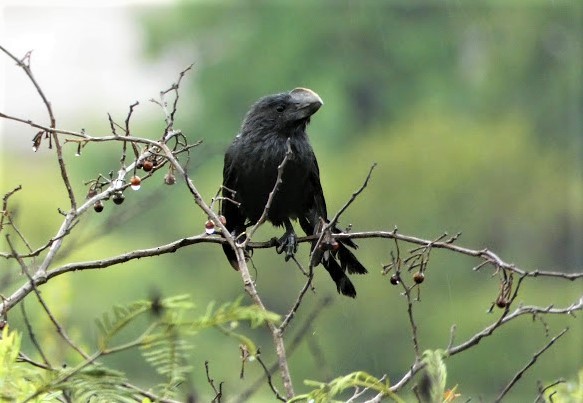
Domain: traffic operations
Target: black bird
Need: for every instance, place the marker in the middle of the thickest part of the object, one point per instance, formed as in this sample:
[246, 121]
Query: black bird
[250, 172]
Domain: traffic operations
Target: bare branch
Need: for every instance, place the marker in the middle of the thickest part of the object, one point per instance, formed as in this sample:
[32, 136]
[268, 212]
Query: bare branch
[353, 197]
[53, 123]
[269, 381]
[218, 392]
[529, 364]
[60, 330]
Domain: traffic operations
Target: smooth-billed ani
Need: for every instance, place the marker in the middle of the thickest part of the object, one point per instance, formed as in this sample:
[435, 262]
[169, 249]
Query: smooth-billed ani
[251, 169]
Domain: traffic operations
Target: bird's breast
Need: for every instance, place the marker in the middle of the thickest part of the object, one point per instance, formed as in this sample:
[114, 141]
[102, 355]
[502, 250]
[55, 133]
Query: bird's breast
[258, 180]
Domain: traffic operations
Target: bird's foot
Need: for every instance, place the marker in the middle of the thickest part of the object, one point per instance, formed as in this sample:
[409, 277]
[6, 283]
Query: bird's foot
[288, 243]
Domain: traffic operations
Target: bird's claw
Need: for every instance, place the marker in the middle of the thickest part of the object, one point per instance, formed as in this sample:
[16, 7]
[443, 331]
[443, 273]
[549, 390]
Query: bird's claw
[288, 243]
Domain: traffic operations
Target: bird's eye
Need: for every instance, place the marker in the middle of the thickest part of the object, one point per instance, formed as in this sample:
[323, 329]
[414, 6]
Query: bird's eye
[280, 108]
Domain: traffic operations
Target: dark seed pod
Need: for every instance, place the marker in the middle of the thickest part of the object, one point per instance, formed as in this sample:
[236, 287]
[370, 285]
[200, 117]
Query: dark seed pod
[394, 279]
[98, 206]
[501, 302]
[147, 165]
[92, 192]
[418, 277]
[118, 198]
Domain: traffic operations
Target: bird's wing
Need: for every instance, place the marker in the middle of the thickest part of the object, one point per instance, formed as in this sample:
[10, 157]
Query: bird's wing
[234, 219]
[315, 204]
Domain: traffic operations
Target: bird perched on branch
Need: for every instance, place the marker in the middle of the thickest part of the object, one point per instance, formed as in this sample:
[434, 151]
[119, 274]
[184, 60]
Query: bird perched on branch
[274, 126]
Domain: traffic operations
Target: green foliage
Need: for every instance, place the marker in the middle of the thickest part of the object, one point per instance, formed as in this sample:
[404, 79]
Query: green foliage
[431, 387]
[18, 379]
[567, 392]
[167, 352]
[163, 342]
[95, 384]
[112, 323]
[327, 392]
[231, 314]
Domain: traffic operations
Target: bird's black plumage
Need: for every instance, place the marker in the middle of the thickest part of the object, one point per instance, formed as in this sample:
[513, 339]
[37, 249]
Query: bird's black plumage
[251, 169]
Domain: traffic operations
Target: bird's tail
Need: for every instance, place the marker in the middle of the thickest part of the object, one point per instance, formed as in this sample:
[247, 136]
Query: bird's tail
[231, 256]
[343, 283]
[331, 251]
[348, 261]
[331, 257]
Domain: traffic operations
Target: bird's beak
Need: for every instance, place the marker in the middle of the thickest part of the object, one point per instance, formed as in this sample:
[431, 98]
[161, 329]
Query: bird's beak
[306, 102]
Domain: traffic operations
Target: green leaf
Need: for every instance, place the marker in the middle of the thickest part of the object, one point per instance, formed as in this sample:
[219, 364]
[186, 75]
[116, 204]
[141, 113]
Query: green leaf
[431, 386]
[325, 392]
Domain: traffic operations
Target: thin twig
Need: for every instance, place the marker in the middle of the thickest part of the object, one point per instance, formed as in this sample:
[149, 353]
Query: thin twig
[352, 197]
[53, 123]
[490, 329]
[45, 307]
[542, 390]
[269, 381]
[529, 364]
[4, 212]
[278, 181]
[414, 337]
[218, 392]
[290, 315]
[32, 335]
[292, 346]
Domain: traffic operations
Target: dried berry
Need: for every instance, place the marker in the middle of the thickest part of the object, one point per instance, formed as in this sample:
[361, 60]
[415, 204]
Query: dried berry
[418, 277]
[223, 220]
[91, 193]
[98, 206]
[170, 179]
[501, 302]
[209, 227]
[394, 279]
[118, 198]
[135, 182]
[334, 245]
[147, 165]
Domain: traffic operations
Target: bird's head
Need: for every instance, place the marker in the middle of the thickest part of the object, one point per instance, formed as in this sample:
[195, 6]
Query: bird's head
[282, 112]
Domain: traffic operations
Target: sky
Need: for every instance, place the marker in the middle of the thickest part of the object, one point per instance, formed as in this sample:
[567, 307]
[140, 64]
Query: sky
[86, 55]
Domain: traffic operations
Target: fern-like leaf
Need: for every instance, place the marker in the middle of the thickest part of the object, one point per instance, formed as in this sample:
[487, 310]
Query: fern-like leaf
[96, 384]
[111, 323]
[167, 352]
[326, 392]
[233, 312]
[431, 387]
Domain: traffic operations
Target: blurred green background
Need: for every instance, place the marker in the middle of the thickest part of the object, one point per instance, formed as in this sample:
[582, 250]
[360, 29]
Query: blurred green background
[473, 112]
